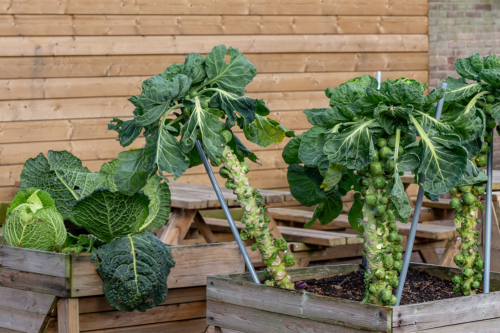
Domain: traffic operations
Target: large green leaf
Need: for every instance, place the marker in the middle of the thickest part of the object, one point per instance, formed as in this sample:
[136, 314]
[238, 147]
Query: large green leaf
[476, 62]
[458, 90]
[134, 269]
[158, 92]
[353, 147]
[305, 185]
[465, 69]
[194, 67]
[63, 177]
[397, 194]
[109, 169]
[491, 76]
[291, 151]
[264, 132]
[205, 126]
[472, 176]
[232, 77]
[406, 94]
[244, 106]
[310, 153]
[327, 210]
[168, 155]
[355, 216]
[333, 176]
[442, 160]
[158, 193]
[241, 150]
[108, 215]
[407, 162]
[391, 117]
[133, 171]
[491, 61]
[127, 130]
[431, 99]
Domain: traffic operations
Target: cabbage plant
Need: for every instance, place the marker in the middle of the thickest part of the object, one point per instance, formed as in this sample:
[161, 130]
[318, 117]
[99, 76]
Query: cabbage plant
[33, 222]
[132, 262]
[479, 100]
[365, 141]
[203, 99]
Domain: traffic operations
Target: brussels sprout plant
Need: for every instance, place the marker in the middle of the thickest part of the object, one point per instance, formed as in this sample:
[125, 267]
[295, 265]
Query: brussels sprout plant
[365, 141]
[203, 99]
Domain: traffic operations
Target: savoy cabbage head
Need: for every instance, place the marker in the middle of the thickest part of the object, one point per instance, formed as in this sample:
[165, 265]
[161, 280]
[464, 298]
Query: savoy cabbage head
[33, 222]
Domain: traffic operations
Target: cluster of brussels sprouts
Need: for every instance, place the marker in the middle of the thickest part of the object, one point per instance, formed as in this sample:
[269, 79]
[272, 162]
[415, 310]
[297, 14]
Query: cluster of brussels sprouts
[382, 249]
[256, 221]
[466, 203]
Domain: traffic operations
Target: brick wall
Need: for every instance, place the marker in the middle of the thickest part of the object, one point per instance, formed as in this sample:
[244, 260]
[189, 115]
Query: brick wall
[458, 28]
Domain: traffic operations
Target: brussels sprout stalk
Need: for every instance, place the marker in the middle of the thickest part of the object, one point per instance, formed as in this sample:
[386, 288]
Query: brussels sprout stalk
[256, 221]
[466, 203]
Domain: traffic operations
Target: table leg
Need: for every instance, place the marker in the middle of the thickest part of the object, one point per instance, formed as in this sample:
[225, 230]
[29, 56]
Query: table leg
[68, 320]
[204, 228]
[452, 248]
[430, 256]
[177, 226]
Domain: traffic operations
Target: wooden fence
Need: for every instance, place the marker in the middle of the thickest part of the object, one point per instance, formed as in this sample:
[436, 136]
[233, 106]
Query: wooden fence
[68, 66]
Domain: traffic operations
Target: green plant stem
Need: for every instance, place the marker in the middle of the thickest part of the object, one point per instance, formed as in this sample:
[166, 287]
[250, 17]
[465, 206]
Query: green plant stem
[256, 221]
[177, 119]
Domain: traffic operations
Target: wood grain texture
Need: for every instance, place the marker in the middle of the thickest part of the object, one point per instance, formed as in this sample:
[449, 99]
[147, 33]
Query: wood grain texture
[127, 86]
[24, 311]
[47, 284]
[120, 45]
[135, 65]
[183, 326]
[34, 261]
[193, 265]
[178, 224]
[218, 7]
[483, 326]
[130, 25]
[68, 320]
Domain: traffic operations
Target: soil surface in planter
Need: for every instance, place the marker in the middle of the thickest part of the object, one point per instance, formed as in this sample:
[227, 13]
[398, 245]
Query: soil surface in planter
[420, 287]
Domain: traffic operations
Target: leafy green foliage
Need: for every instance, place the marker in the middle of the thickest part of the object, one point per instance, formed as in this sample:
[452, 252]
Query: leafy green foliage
[134, 269]
[33, 222]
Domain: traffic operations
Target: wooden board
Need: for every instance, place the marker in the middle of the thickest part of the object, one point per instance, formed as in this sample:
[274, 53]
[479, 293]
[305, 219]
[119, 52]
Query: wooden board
[119, 25]
[133, 65]
[24, 311]
[68, 320]
[23, 89]
[428, 231]
[218, 7]
[193, 264]
[119, 45]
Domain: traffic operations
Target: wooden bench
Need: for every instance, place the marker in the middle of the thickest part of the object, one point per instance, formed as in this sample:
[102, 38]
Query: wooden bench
[426, 233]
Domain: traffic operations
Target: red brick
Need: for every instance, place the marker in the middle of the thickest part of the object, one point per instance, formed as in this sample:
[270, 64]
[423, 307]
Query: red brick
[483, 7]
[473, 14]
[446, 68]
[446, 52]
[465, 36]
[455, 14]
[456, 45]
[452, 60]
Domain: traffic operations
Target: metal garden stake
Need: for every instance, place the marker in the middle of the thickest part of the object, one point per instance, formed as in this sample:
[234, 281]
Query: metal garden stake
[416, 216]
[487, 229]
[225, 208]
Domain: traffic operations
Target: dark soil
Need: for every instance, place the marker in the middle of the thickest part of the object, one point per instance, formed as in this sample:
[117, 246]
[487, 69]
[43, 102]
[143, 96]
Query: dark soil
[419, 287]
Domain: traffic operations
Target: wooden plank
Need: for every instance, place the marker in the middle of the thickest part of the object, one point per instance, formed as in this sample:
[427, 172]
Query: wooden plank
[444, 313]
[298, 304]
[8, 193]
[174, 296]
[24, 311]
[204, 229]
[47, 284]
[428, 231]
[6, 330]
[219, 7]
[11, 89]
[133, 65]
[452, 249]
[193, 265]
[68, 320]
[166, 313]
[429, 256]
[144, 25]
[238, 318]
[442, 204]
[177, 226]
[184, 326]
[482, 326]
[119, 45]
[34, 261]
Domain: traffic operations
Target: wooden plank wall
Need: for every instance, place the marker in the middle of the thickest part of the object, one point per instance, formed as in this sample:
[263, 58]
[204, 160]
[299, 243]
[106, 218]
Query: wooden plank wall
[68, 66]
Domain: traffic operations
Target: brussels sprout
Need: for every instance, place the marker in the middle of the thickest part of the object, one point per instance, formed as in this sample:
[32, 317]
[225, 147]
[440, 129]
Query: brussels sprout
[245, 167]
[389, 165]
[490, 87]
[224, 172]
[375, 157]
[468, 272]
[365, 182]
[394, 281]
[485, 149]
[457, 279]
[480, 190]
[478, 277]
[381, 142]
[376, 169]
[481, 103]
[243, 235]
[490, 99]
[398, 265]
[475, 284]
[379, 182]
[401, 150]
[388, 261]
[392, 142]
[459, 259]
[478, 264]
[280, 244]
[469, 199]
[481, 160]
[386, 295]
[496, 93]
[487, 109]
[454, 192]
[488, 138]
[465, 287]
[393, 300]
[491, 124]
[392, 236]
[379, 210]
[456, 204]
[457, 289]
[397, 249]
[373, 289]
[465, 189]
[398, 256]
[398, 240]
[371, 199]
[230, 185]
[383, 201]
[385, 153]
[380, 273]
[288, 260]
[363, 192]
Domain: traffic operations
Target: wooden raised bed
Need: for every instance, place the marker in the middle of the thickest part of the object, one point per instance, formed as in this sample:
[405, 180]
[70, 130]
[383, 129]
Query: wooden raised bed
[53, 292]
[236, 305]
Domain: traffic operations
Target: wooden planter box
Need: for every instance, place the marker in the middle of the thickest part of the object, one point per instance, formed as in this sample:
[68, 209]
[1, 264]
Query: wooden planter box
[53, 292]
[236, 305]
